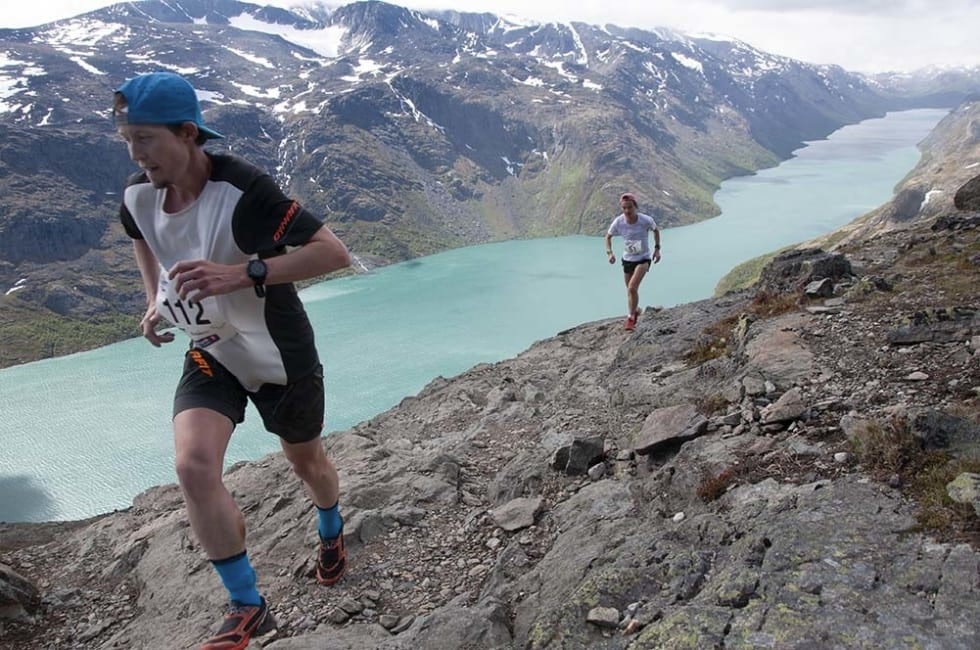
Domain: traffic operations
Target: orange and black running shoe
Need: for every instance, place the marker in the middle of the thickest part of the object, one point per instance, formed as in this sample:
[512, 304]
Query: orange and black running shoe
[331, 560]
[242, 624]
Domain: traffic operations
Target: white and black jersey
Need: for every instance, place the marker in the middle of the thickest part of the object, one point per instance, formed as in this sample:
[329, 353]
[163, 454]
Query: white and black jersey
[240, 214]
[636, 238]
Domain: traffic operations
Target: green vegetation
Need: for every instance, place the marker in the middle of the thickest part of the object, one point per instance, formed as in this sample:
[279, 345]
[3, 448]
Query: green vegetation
[572, 194]
[411, 235]
[27, 334]
[889, 449]
[746, 274]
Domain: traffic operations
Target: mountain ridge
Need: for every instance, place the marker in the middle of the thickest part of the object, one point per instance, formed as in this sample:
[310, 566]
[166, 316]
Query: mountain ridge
[410, 133]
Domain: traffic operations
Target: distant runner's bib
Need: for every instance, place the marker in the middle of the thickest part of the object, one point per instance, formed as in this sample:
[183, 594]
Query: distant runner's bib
[633, 246]
[201, 320]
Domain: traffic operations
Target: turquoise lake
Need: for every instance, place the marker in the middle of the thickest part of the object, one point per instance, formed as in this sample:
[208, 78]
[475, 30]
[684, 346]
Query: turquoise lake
[83, 434]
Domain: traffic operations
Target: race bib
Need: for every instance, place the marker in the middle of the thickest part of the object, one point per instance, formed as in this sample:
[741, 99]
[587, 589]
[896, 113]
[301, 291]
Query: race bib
[633, 246]
[201, 320]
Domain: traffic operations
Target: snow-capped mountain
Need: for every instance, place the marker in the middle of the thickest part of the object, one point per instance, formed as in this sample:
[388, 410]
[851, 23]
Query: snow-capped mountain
[935, 85]
[409, 131]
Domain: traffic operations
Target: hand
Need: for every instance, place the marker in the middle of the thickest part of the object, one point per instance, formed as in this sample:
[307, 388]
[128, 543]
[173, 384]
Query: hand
[656, 255]
[148, 326]
[200, 279]
[612, 258]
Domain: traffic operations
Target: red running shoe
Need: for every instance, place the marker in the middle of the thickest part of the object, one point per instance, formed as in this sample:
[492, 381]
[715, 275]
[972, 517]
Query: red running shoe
[631, 322]
[242, 623]
[331, 560]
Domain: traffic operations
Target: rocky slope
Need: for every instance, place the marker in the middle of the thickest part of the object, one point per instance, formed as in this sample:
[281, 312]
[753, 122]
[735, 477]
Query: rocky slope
[791, 466]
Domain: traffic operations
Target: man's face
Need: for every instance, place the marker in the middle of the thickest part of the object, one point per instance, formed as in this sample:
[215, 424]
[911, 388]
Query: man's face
[160, 152]
[627, 206]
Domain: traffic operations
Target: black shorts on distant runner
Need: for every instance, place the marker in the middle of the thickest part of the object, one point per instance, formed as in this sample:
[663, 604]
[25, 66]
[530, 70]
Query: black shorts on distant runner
[293, 412]
[629, 267]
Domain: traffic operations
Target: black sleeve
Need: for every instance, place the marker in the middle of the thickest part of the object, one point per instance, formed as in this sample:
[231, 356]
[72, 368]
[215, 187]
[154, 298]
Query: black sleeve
[266, 220]
[129, 224]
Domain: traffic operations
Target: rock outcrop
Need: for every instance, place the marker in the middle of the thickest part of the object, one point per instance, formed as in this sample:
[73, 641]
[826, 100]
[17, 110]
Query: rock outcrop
[743, 472]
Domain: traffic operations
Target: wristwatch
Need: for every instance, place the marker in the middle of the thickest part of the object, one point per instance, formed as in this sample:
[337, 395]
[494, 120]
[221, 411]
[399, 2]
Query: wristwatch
[257, 271]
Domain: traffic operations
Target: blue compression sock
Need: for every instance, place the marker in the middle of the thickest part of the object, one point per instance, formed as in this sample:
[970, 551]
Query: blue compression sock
[239, 578]
[330, 521]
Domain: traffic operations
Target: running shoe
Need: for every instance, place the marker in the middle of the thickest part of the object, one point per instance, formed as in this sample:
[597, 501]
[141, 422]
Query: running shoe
[242, 624]
[331, 560]
[631, 322]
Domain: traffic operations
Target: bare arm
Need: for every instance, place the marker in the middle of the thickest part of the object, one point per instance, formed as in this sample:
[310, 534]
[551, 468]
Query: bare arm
[149, 268]
[609, 251]
[199, 279]
[656, 245]
[150, 272]
[322, 254]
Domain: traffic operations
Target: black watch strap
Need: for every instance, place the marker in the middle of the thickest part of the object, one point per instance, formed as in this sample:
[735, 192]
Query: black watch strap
[257, 271]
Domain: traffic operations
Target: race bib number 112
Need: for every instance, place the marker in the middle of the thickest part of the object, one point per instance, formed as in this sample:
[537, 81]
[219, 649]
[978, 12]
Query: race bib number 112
[197, 318]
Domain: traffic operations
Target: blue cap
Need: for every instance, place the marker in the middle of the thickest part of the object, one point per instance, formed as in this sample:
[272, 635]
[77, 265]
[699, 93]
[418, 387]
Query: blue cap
[161, 98]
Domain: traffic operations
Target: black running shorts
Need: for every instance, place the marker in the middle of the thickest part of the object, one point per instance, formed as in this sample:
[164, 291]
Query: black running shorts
[293, 412]
[629, 267]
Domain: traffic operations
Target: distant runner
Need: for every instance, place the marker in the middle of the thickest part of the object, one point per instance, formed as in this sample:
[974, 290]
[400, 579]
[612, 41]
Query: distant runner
[634, 227]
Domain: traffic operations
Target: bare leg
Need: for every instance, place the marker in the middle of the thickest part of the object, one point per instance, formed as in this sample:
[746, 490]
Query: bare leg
[629, 307]
[633, 287]
[200, 439]
[311, 464]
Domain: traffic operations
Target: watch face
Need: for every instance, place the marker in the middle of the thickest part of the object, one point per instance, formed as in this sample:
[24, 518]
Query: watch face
[256, 270]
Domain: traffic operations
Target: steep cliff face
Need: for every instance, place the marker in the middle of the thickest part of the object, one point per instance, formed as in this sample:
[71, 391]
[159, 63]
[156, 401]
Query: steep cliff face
[55, 195]
[789, 465]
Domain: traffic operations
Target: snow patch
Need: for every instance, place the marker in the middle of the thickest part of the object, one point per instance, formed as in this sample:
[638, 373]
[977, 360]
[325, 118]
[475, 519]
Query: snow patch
[688, 62]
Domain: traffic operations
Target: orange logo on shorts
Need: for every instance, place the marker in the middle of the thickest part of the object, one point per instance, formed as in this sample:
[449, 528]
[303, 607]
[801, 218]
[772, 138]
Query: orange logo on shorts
[202, 363]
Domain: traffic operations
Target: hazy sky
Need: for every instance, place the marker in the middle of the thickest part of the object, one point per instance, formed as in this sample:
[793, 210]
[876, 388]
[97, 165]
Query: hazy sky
[865, 35]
